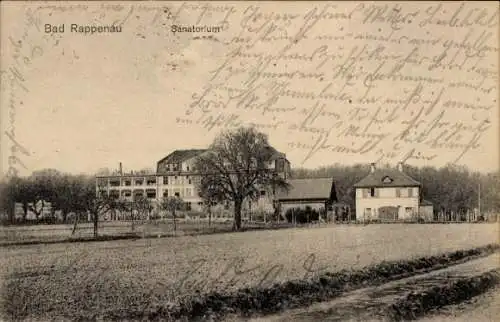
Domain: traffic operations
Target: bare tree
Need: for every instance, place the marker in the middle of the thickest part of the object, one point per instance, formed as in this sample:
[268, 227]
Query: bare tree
[97, 202]
[235, 164]
[210, 195]
[144, 207]
[172, 204]
[124, 207]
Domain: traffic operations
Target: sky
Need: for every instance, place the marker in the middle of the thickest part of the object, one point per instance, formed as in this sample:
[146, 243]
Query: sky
[78, 103]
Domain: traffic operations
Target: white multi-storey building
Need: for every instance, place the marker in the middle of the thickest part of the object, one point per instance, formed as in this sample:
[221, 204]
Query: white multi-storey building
[175, 176]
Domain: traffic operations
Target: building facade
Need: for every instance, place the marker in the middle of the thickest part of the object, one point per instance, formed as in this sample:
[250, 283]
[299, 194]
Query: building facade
[317, 193]
[387, 195]
[176, 177]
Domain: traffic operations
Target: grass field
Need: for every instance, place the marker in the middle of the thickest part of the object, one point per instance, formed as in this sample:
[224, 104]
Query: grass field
[95, 278]
[53, 233]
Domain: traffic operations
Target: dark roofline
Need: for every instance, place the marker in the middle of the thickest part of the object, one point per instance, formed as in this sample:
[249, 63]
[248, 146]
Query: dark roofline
[281, 154]
[329, 178]
[387, 185]
[304, 199]
[168, 155]
[414, 183]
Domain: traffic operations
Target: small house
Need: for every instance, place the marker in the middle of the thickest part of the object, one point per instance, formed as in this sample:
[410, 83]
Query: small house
[387, 195]
[316, 193]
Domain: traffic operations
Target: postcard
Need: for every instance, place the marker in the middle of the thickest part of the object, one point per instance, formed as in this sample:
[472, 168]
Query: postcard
[263, 160]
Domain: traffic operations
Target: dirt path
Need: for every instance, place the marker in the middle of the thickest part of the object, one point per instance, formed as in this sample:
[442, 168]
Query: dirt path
[368, 304]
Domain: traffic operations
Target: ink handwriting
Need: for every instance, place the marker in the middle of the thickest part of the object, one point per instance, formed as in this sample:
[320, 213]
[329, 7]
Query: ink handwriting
[390, 89]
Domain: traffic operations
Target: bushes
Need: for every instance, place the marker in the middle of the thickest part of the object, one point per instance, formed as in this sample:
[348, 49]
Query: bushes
[300, 293]
[302, 216]
[415, 305]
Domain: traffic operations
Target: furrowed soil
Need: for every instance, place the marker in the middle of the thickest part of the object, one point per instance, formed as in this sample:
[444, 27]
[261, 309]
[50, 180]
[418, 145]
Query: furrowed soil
[95, 280]
[380, 303]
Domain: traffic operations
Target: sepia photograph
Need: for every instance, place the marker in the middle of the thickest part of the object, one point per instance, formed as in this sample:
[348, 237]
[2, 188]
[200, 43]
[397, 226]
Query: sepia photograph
[249, 161]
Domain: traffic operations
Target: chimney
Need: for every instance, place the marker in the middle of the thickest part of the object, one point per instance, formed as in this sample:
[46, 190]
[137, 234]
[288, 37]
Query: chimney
[400, 166]
[372, 167]
[121, 169]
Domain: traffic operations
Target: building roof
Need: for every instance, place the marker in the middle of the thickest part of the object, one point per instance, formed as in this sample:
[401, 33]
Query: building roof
[179, 156]
[313, 188]
[275, 154]
[387, 178]
[426, 203]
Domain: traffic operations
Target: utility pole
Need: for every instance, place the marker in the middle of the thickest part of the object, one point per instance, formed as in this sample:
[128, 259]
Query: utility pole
[479, 199]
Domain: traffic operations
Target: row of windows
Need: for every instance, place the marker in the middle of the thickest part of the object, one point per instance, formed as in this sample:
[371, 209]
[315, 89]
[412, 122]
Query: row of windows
[407, 209]
[136, 194]
[175, 167]
[369, 212]
[177, 192]
[400, 192]
[177, 180]
[174, 180]
[137, 182]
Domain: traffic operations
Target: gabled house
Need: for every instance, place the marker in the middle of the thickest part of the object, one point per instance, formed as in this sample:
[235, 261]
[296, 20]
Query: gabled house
[317, 193]
[387, 194]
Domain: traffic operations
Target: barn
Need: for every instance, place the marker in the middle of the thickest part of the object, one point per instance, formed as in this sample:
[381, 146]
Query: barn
[316, 193]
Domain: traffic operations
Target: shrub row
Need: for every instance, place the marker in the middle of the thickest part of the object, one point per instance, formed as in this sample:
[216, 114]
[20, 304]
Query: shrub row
[417, 304]
[300, 293]
[302, 216]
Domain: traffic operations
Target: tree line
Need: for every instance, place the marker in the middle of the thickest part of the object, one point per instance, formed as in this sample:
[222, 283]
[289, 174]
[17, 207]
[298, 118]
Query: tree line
[233, 169]
[71, 194]
[451, 188]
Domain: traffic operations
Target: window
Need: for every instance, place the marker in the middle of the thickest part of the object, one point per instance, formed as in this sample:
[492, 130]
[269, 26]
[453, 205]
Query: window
[177, 194]
[114, 194]
[387, 179]
[102, 182]
[280, 165]
[151, 194]
[139, 182]
[188, 206]
[127, 182]
[368, 212]
[398, 192]
[409, 210]
[126, 193]
[410, 192]
[187, 168]
[114, 183]
[372, 192]
[165, 193]
[151, 181]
